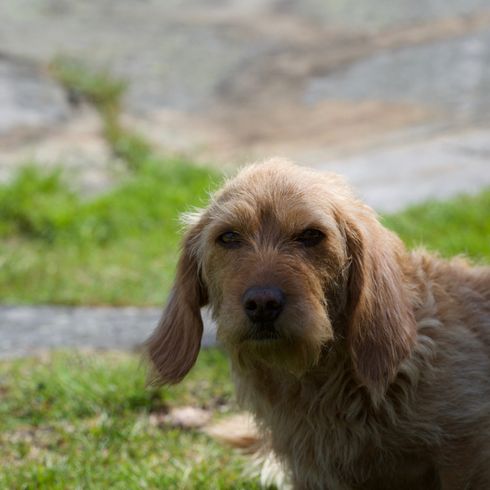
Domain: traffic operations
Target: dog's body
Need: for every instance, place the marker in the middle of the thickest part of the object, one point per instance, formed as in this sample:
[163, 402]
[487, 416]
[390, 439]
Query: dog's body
[430, 430]
[366, 366]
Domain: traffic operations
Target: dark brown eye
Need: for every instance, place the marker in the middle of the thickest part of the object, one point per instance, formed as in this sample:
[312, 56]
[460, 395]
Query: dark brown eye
[310, 237]
[229, 239]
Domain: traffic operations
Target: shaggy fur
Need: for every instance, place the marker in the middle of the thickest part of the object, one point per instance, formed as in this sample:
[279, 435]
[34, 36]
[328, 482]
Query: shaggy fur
[379, 377]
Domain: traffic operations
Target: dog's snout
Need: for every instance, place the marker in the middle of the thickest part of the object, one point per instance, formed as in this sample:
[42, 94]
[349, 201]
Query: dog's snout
[263, 304]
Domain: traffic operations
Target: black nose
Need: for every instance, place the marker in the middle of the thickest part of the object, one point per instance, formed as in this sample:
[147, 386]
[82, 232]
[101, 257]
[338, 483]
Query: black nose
[263, 304]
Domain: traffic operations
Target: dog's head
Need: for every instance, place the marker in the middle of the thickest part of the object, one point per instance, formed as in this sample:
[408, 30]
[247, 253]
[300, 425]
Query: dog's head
[289, 262]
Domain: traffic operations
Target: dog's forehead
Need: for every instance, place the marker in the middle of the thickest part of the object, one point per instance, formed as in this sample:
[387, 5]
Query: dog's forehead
[287, 195]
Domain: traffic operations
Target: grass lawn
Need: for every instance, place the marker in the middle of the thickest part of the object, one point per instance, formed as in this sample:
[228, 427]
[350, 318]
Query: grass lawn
[118, 248]
[457, 226]
[87, 421]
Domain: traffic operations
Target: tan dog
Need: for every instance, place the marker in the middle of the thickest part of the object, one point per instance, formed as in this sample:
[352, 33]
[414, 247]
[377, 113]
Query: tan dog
[367, 366]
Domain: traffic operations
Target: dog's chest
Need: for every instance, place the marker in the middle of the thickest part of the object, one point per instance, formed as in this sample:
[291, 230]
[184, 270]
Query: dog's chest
[333, 454]
[324, 452]
[332, 442]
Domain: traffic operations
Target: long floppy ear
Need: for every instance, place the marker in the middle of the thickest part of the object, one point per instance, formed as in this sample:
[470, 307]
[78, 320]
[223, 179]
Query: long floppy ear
[381, 326]
[174, 345]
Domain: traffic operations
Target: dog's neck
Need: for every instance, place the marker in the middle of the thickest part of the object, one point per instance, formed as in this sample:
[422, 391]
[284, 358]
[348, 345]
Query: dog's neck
[266, 388]
[330, 388]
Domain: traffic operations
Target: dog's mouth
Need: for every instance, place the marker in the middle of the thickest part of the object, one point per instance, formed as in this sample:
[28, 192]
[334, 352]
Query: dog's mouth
[263, 332]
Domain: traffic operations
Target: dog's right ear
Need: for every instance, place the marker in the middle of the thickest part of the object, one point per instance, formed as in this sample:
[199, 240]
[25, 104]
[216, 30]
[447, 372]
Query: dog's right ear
[174, 345]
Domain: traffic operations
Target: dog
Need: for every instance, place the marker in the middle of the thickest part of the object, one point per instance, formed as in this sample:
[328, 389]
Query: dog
[365, 366]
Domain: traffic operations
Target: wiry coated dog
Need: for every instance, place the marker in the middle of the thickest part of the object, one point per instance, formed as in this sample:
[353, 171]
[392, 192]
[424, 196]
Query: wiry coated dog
[366, 366]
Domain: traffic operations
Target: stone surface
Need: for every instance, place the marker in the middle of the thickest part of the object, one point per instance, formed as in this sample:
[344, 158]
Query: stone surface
[451, 77]
[77, 146]
[29, 329]
[391, 179]
[29, 99]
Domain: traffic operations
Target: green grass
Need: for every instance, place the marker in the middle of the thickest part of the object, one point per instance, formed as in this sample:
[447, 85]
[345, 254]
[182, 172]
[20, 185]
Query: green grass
[99, 88]
[118, 248]
[87, 421]
[457, 226]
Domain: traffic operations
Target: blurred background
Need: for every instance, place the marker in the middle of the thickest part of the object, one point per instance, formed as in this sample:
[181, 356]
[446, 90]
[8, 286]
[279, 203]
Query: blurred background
[116, 116]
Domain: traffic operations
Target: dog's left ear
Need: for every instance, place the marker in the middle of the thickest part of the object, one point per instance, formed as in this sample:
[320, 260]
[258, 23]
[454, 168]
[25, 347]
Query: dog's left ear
[174, 345]
[381, 326]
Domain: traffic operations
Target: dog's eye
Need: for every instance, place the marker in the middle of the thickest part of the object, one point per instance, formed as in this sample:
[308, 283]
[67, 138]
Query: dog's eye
[310, 237]
[230, 239]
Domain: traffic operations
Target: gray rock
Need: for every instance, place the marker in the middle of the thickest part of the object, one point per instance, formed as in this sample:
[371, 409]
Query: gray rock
[390, 179]
[450, 78]
[29, 329]
[29, 99]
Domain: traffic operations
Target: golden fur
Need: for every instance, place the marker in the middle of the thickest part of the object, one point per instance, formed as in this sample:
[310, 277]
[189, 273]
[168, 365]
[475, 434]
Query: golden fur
[380, 377]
